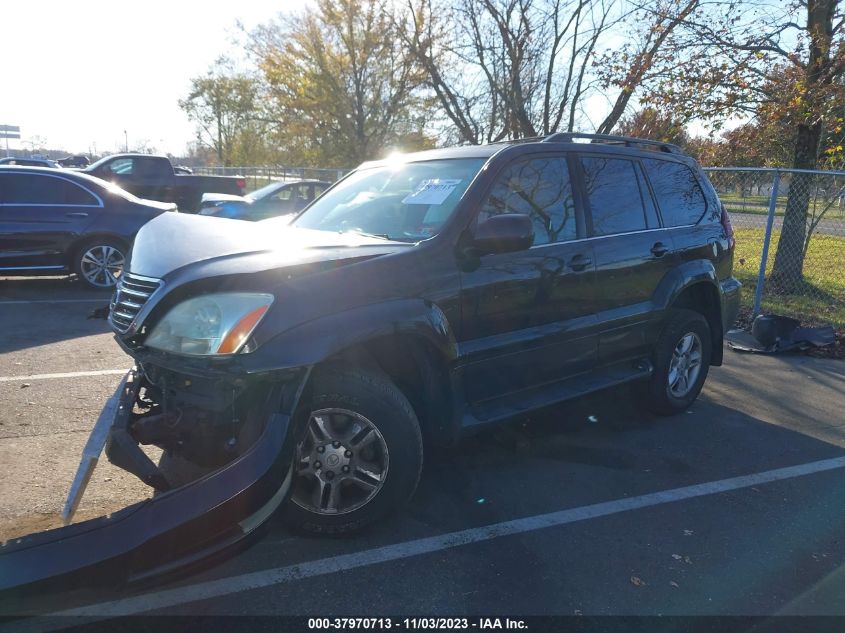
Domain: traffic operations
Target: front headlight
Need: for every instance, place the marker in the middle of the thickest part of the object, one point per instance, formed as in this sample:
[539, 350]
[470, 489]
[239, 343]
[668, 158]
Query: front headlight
[211, 324]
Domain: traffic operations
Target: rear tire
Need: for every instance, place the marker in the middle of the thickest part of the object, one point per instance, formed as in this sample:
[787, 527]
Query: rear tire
[681, 360]
[359, 456]
[99, 263]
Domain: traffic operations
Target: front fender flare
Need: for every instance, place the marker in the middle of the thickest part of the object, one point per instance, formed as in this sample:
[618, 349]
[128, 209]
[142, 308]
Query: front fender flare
[315, 341]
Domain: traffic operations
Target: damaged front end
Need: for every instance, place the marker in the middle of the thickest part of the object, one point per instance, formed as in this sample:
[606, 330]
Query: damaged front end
[226, 445]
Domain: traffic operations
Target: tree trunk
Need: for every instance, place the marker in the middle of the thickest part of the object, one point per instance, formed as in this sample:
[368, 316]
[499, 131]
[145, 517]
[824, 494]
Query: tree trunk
[787, 272]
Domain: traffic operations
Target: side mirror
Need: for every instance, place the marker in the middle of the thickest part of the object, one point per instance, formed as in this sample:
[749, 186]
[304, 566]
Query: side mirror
[504, 233]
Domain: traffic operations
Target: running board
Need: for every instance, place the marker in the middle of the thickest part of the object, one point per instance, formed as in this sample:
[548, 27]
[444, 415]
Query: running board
[521, 402]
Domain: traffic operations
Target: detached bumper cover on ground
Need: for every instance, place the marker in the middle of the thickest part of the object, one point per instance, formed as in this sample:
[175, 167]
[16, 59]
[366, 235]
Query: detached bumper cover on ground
[176, 529]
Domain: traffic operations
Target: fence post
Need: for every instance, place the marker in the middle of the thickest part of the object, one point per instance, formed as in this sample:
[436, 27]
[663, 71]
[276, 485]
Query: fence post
[764, 256]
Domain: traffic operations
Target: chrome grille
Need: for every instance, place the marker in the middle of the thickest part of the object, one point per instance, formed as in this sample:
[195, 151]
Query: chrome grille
[130, 296]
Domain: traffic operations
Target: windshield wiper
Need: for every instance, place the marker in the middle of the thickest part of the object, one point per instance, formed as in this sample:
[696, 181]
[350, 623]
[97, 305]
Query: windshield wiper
[381, 236]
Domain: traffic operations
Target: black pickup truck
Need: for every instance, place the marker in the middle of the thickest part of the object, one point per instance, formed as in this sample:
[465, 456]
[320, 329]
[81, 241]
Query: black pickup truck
[153, 178]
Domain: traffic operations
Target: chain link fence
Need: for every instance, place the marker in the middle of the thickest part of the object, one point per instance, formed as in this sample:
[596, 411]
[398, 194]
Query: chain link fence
[790, 239]
[257, 177]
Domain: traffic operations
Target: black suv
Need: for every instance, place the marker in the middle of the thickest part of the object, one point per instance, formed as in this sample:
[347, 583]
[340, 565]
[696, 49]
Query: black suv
[308, 365]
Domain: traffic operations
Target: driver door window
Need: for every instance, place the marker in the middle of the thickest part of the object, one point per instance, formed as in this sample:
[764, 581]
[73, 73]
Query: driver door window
[121, 167]
[539, 188]
[283, 195]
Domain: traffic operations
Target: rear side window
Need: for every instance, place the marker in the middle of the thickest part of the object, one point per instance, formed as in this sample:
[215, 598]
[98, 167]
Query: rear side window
[47, 190]
[151, 167]
[539, 188]
[613, 192]
[678, 194]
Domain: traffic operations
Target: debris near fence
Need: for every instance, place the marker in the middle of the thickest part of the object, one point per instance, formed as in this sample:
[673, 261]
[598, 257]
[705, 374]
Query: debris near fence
[837, 350]
[775, 334]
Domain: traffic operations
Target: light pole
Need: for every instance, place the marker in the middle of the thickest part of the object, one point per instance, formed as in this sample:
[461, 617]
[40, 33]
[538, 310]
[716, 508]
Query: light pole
[125, 141]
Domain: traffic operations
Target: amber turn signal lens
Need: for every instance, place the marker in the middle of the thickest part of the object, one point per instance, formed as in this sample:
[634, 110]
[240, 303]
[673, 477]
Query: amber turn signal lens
[237, 335]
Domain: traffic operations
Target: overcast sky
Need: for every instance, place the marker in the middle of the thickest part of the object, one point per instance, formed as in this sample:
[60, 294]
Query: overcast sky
[80, 73]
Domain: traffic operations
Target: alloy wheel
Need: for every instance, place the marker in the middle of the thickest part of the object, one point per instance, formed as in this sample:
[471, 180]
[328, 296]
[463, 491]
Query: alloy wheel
[685, 365]
[101, 265]
[341, 463]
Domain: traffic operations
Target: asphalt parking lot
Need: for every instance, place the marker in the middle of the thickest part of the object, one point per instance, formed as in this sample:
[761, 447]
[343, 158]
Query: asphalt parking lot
[558, 516]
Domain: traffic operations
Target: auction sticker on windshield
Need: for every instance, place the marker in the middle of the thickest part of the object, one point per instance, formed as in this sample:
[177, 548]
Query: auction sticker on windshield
[431, 191]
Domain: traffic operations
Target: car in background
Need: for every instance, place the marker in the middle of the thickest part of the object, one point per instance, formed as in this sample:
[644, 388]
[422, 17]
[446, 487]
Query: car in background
[277, 198]
[154, 178]
[30, 162]
[66, 222]
[78, 161]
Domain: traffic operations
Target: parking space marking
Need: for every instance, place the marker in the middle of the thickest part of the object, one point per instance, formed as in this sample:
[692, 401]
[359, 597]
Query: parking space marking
[103, 301]
[72, 374]
[345, 562]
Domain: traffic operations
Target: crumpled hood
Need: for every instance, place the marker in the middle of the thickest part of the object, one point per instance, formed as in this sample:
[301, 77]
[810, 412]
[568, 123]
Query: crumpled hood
[174, 241]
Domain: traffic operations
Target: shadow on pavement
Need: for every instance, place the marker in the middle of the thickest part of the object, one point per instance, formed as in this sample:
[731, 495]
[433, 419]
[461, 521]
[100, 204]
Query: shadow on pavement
[24, 325]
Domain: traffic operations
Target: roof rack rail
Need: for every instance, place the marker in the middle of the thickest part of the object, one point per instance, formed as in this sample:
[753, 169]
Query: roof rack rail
[513, 141]
[610, 139]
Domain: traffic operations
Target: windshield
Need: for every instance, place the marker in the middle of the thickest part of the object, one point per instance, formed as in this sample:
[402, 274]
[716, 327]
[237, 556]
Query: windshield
[406, 202]
[266, 190]
[93, 166]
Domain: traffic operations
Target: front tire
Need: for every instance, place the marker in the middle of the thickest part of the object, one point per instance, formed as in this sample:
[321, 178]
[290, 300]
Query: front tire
[681, 360]
[359, 456]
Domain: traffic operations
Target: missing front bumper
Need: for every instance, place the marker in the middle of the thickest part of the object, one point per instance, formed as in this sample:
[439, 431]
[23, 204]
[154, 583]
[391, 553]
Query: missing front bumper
[179, 528]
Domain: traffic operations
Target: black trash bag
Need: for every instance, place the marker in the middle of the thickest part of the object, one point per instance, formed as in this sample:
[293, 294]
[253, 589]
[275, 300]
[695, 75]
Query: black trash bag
[775, 334]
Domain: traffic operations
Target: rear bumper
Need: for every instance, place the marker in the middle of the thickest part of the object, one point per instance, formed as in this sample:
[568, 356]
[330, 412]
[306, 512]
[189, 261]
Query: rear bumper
[179, 528]
[731, 290]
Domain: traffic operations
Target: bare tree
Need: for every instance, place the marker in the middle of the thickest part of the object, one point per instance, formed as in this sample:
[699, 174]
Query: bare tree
[503, 69]
[635, 61]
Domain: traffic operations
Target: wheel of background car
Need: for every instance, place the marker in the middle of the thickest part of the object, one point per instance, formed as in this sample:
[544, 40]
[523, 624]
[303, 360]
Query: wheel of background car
[100, 263]
[359, 455]
[681, 361]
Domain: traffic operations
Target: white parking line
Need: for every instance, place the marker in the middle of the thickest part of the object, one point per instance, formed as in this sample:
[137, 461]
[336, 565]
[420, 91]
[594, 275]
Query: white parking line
[103, 301]
[72, 374]
[282, 575]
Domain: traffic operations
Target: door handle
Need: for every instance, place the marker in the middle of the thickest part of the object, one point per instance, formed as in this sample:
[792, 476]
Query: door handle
[580, 262]
[659, 249]
[77, 214]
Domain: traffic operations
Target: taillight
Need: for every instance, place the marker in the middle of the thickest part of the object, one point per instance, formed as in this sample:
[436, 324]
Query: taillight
[241, 183]
[726, 224]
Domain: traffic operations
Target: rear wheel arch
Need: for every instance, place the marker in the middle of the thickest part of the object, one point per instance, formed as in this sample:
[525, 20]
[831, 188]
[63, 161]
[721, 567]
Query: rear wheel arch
[703, 297]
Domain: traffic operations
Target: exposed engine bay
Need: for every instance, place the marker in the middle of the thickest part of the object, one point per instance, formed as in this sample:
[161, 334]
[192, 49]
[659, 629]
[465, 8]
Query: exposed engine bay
[200, 423]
